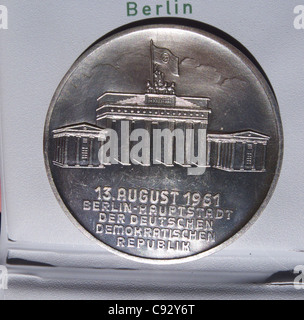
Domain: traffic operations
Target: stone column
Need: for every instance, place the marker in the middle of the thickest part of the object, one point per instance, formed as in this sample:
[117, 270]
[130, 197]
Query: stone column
[219, 153]
[66, 151]
[254, 152]
[209, 153]
[232, 155]
[78, 152]
[91, 151]
[244, 156]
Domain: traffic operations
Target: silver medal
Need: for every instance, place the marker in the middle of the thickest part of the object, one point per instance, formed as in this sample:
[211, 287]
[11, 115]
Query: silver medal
[163, 143]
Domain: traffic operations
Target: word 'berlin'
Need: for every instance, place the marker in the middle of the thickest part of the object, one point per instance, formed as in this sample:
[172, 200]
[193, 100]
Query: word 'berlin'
[168, 8]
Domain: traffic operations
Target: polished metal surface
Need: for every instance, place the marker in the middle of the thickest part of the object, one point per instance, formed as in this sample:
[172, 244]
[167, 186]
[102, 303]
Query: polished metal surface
[177, 204]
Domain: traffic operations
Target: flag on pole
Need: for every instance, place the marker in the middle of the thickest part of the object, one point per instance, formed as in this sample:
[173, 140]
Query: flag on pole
[165, 60]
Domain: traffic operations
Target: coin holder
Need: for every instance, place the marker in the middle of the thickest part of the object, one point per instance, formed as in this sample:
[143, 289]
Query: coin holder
[76, 227]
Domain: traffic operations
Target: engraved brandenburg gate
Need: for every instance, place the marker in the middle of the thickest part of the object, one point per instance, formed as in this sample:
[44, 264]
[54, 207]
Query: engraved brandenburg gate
[77, 146]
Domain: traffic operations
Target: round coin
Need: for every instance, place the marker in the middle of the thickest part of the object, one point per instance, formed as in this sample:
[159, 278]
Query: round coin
[163, 143]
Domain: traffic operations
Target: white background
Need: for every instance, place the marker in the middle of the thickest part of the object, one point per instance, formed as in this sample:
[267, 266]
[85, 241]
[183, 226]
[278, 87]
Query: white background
[45, 38]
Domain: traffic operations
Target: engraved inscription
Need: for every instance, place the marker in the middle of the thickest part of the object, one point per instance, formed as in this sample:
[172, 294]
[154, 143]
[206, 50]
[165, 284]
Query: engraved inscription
[156, 219]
